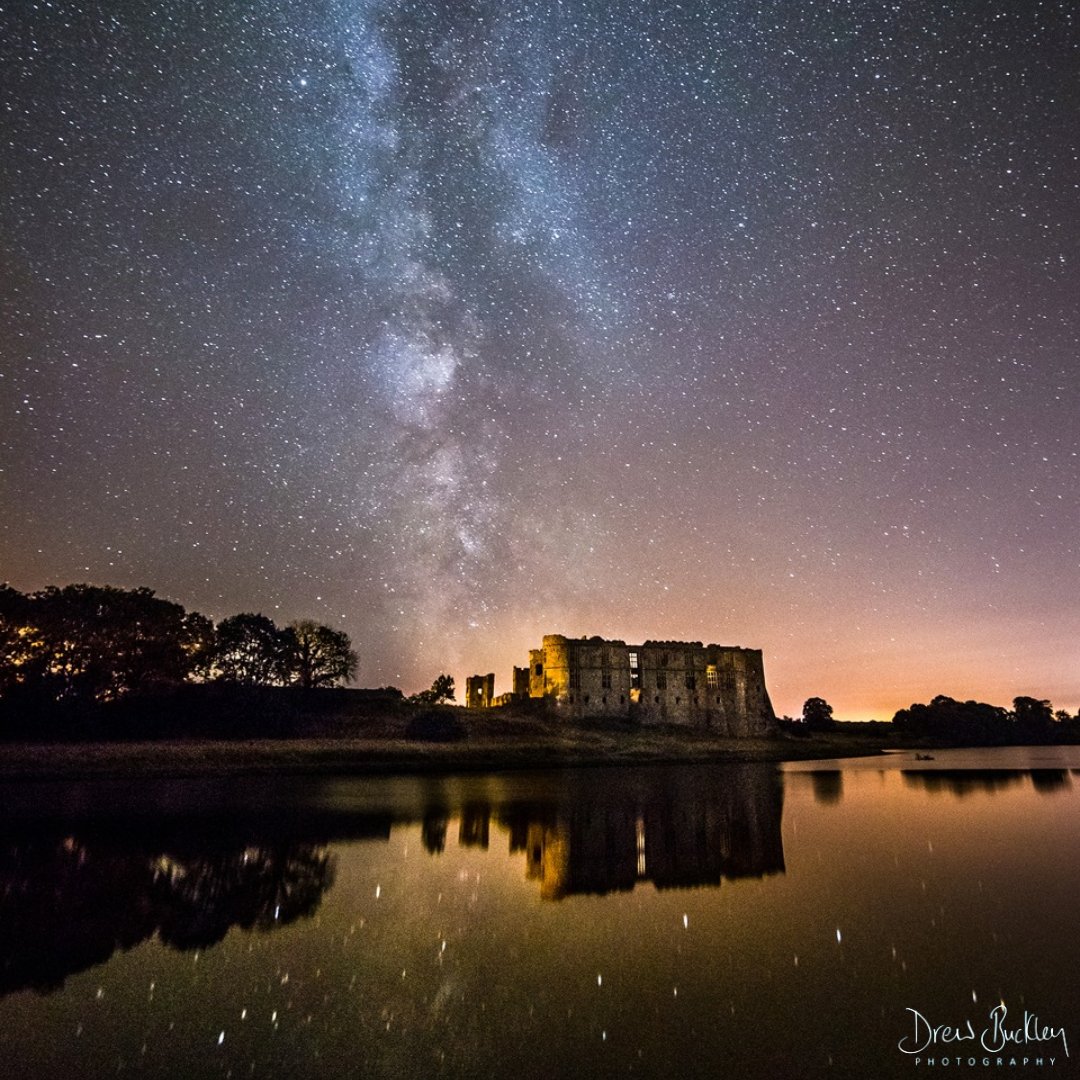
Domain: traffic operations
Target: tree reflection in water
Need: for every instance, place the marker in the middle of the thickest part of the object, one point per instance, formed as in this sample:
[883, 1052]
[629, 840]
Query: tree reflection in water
[963, 782]
[67, 903]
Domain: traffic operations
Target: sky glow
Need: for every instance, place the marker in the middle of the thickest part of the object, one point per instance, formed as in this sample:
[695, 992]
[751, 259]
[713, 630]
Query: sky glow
[455, 324]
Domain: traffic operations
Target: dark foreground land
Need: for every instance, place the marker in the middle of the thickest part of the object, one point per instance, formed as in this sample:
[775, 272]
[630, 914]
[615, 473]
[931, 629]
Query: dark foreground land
[341, 733]
[202, 757]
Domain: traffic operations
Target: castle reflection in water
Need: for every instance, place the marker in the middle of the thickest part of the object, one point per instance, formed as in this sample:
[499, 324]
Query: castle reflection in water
[74, 891]
[675, 830]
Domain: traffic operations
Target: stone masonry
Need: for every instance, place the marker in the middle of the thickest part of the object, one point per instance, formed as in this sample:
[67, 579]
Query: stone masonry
[716, 687]
[480, 691]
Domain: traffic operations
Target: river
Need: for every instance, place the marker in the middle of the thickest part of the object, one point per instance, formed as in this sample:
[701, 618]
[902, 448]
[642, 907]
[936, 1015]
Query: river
[870, 917]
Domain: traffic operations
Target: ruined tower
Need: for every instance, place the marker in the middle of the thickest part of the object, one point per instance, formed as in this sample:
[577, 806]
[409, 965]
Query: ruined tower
[480, 691]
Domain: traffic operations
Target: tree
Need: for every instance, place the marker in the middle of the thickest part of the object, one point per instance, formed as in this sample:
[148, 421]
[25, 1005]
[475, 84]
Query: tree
[198, 641]
[22, 648]
[972, 721]
[251, 649]
[93, 642]
[817, 714]
[319, 656]
[442, 690]
[1032, 717]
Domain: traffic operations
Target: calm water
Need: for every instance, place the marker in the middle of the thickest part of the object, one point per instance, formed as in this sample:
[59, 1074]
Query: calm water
[658, 922]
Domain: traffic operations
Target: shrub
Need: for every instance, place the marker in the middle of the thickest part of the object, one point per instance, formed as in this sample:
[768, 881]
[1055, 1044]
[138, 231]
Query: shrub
[434, 725]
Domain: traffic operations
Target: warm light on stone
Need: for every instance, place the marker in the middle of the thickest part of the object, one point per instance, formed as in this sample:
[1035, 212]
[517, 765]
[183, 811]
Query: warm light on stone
[717, 687]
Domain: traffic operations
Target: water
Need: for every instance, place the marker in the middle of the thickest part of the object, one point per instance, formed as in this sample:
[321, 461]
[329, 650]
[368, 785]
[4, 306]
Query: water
[656, 922]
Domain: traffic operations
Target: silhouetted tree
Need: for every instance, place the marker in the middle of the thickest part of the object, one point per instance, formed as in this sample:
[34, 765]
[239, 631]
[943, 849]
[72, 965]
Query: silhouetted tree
[1033, 718]
[95, 643]
[251, 649]
[319, 656]
[442, 690]
[817, 714]
[199, 643]
[21, 644]
[970, 721]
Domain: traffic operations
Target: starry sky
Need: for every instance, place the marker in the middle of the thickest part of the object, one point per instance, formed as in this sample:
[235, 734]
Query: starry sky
[452, 324]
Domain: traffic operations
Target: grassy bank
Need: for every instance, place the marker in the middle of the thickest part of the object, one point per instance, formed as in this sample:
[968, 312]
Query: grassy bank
[483, 746]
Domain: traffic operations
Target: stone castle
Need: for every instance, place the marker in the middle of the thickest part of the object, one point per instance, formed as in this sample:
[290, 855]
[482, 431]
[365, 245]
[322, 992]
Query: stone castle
[717, 687]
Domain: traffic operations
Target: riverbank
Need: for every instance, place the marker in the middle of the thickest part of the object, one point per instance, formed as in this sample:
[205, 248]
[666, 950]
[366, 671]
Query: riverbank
[484, 752]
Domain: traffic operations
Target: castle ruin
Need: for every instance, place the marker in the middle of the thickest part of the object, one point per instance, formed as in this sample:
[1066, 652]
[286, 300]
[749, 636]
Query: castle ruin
[480, 691]
[716, 687]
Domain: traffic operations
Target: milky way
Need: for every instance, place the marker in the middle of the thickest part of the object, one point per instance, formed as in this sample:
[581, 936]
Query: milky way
[455, 324]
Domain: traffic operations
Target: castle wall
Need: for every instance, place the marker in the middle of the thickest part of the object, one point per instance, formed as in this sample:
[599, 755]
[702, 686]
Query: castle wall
[698, 832]
[744, 708]
[714, 687]
[673, 684]
[521, 682]
[537, 680]
[480, 691]
[582, 676]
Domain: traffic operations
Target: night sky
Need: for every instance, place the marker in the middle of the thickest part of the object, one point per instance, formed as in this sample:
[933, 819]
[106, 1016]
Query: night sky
[455, 324]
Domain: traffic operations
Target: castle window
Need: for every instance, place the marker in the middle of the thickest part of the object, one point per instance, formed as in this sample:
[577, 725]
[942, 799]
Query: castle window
[657, 700]
[678, 701]
[712, 679]
[691, 682]
[585, 699]
[603, 700]
[605, 680]
[663, 659]
[539, 669]
[661, 681]
[635, 670]
[622, 699]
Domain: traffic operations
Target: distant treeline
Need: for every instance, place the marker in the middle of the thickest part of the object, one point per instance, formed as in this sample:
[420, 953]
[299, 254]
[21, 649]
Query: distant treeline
[976, 723]
[66, 650]
[968, 723]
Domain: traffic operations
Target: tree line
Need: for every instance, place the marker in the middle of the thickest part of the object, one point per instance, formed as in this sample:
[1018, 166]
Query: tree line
[97, 644]
[1030, 720]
